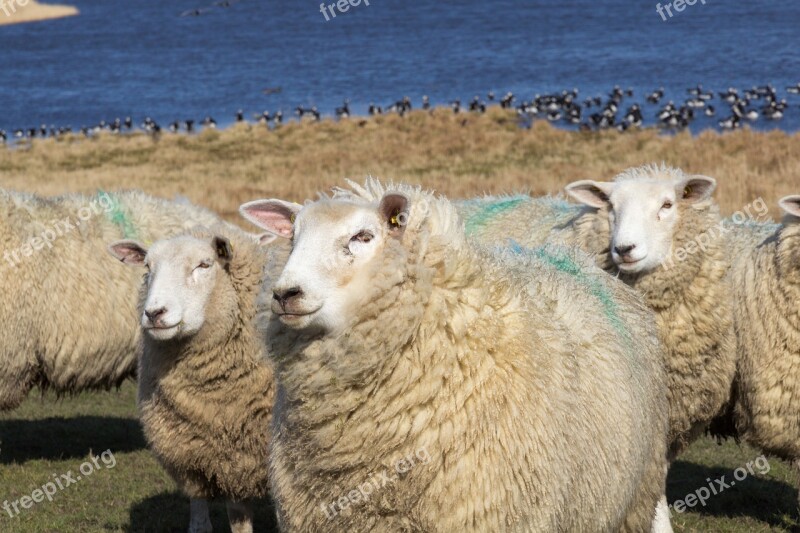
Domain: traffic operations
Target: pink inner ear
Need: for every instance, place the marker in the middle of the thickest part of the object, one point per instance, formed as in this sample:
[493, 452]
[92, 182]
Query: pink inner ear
[129, 253]
[275, 218]
[277, 223]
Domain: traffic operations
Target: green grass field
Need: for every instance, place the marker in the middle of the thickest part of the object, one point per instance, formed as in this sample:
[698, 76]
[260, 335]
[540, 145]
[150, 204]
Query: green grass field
[48, 437]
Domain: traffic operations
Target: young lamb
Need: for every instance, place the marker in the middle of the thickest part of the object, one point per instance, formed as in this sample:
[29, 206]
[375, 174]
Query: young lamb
[205, 388]
[765, 279]
[61, 290]
[427, 383]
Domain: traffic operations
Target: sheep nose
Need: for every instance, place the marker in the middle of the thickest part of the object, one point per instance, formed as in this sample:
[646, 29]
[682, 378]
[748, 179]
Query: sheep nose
[154, 314]
[283, 296]
[624, 250]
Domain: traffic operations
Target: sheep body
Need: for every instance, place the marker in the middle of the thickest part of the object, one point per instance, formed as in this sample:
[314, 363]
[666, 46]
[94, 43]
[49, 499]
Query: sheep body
[531, 222]
[532, 381]
[206, 401]
[766, 286]
[58, 297]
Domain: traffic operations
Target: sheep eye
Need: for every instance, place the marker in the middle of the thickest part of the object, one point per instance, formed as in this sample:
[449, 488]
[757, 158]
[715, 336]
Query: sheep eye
[204, 265]
[667, 205]
[362, 236]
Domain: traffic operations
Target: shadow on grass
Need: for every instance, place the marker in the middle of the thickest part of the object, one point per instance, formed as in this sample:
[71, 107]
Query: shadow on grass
[764, 499]
[169, 513]
[67, 438]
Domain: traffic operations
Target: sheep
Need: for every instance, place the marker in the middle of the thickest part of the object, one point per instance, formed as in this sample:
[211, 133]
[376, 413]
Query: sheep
[658, 230]
[765, 280]
[59, 292]
[427, 383]
[205, 389]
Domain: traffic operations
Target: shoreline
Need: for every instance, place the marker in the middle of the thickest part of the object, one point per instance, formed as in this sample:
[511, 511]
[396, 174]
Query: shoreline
[22, 11]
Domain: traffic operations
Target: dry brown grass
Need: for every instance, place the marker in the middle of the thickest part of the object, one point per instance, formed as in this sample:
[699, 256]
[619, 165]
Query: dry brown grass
[33, 11]
[457, 155]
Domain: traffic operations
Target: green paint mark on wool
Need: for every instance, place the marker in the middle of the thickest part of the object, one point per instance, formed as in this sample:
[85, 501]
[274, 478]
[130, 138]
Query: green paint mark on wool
[116, 214]
[482, 218]
[562, 262]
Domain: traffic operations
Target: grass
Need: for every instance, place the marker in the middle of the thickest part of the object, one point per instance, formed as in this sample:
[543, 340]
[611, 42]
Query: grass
[459, 156]
[48, 436]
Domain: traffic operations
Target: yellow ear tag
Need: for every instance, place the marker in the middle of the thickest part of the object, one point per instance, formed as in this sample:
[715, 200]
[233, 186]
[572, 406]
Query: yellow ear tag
[291, 218]
[687, 191]
[393, 220]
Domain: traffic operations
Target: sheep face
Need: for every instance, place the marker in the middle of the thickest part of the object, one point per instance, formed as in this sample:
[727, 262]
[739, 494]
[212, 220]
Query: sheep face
[334, 245]
[644, 213]
[182, 273]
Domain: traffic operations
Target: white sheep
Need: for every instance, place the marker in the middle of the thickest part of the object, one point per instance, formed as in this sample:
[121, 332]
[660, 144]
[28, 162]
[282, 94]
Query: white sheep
[428, 383]
[60, 288]
[205, 389]
[765, 280]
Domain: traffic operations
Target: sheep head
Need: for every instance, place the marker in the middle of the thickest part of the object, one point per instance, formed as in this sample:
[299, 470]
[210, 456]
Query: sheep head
[644, 207]
[336, 245]
[182, 274]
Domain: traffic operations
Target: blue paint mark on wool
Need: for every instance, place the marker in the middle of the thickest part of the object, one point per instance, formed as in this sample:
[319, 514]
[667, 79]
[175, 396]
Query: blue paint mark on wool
[482, 218]
[116, 214]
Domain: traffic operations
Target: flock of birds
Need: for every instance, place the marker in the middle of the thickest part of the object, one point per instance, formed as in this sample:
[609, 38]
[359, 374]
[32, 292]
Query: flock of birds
[592, 114]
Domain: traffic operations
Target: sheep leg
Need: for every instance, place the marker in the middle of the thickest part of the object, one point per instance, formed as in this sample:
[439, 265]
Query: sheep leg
[661, 522]
[240, 516]
[199, 520]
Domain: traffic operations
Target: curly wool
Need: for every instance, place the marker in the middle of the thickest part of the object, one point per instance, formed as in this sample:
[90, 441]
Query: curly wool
[206, 402]
[531, 379]
[59, 298]
[766, 286]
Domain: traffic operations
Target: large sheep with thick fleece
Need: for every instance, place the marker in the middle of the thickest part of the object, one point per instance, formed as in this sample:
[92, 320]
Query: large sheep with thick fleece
[205, 387]
[765, 280]
[68, 320]
[658, 230]
[427, 383]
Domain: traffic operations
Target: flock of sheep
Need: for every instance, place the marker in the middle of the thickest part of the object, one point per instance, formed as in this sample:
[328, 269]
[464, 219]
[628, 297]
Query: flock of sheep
[551, 359]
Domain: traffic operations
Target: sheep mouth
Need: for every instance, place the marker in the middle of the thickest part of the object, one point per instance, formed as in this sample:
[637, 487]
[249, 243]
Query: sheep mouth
[296, 315]
[161, 330]
[626, 263]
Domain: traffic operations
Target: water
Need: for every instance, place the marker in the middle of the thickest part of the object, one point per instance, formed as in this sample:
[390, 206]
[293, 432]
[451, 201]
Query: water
[141, 58]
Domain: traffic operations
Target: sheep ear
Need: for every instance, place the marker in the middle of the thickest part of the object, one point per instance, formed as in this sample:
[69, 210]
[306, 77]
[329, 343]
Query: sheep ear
[266, 238]
[696, 189]
[223, 249]
[129, 252]
[394, 210]
[275, 216]
[791, 204]
[591, 193]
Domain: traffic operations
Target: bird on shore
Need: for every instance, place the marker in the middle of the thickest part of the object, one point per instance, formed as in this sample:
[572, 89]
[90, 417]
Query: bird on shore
[344, 111]
[656, 96]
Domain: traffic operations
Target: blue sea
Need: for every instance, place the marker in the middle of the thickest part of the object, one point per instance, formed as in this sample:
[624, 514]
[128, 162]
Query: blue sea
[143, 58]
